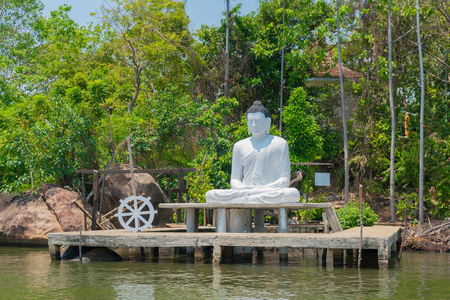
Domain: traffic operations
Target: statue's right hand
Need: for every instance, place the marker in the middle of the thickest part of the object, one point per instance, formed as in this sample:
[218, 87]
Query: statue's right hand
[236, 184]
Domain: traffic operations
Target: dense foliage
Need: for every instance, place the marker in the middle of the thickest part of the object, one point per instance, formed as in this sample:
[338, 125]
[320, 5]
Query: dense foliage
[70, 95]
[349, 215]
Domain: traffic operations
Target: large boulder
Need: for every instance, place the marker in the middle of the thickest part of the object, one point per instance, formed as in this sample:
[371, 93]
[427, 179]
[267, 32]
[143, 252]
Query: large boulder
[26, 219]
[60, 203]
[118, 186]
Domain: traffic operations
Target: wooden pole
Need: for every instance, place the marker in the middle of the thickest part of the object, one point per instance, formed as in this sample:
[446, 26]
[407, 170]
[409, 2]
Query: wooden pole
[96, 194]
[133, 185]
[404, 234]
[87, 215]
[361, 224]
[169, 192]
[101, 201]
[84, 199]
[79, 247]
[307, 191]
[131, 166]
[179, 193]
[187, 188]
[326, 228]
[307, 183]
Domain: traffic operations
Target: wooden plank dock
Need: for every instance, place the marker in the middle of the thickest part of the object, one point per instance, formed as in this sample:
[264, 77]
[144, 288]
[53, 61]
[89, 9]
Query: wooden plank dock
[381, 238]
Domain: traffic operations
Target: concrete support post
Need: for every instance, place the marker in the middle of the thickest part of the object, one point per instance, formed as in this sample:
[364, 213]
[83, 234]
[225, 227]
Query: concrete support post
[338, 257]
[55, 250]
[259, 220]
[394, 248]
[221, 220]
[258, 215]
[348, 257]
[240, 220]
[329, 259]
[155, 253]
[324, 257]
[383, 264]
[282, 223]
[217, 254]
[383, 257]
[191, 220]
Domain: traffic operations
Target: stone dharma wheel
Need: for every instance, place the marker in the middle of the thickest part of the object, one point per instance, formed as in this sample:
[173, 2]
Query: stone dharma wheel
[136, 213]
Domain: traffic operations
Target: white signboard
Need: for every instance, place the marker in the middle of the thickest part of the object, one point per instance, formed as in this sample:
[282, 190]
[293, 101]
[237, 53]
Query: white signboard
[322, 179]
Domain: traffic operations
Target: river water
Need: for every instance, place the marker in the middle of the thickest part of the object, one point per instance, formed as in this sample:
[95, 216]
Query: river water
[28, 273]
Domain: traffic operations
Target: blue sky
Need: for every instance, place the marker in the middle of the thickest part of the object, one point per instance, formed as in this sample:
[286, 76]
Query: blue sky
[200, 12]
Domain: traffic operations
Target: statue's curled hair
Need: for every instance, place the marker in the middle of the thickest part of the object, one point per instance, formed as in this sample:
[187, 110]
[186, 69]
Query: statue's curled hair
[258, 107]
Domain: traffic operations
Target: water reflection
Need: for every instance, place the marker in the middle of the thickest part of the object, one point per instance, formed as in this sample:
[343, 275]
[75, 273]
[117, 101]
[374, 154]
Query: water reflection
[29, 274]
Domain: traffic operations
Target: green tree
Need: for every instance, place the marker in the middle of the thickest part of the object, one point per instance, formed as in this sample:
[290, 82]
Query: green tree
[150, 40]
[302, 130]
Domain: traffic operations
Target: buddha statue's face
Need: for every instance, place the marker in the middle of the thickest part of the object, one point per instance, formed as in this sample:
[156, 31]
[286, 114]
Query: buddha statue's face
[258, 123]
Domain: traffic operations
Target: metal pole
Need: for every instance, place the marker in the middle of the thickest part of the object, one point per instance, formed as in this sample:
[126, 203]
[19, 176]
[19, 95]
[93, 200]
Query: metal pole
[282, 75]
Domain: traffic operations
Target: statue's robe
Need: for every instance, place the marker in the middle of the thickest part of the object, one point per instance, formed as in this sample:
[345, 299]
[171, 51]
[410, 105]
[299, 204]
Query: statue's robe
[257, 168]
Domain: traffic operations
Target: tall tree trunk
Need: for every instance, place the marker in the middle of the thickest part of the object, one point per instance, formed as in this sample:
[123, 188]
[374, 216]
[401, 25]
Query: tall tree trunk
[227, 51]
[227, 57]
[446, 83]
[282, 79]
[137, 88]
[391, 104]
[344, 119]
[422, 112]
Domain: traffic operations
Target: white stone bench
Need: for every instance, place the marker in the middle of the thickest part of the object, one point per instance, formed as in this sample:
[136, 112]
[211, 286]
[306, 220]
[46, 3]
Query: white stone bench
[191, 213]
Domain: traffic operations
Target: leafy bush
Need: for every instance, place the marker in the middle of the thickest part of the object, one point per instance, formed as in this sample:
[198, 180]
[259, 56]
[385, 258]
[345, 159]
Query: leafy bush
[313, 214]
[407, 202]
[349, 215]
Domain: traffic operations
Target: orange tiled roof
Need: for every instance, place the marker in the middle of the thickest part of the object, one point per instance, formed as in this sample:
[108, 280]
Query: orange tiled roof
[334, 71]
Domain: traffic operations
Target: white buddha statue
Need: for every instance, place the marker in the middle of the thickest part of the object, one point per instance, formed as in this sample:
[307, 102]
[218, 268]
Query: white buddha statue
[260, 170]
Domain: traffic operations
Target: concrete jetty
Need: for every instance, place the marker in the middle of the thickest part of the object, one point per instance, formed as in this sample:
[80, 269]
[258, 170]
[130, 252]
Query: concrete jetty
[380, 238]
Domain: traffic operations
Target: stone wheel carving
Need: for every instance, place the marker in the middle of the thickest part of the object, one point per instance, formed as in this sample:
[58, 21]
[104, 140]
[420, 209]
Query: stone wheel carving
[136, 213]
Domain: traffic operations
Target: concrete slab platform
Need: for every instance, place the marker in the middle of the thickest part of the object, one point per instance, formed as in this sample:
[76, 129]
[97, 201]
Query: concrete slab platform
[381, 238]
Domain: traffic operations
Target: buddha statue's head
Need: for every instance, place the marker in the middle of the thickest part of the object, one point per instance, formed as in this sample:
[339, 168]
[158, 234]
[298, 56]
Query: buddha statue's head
[258, 119]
